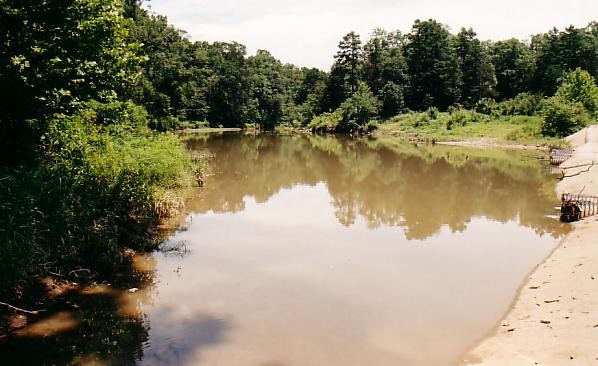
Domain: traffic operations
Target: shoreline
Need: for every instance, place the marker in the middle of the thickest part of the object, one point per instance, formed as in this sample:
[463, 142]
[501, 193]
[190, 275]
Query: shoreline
[553, 319]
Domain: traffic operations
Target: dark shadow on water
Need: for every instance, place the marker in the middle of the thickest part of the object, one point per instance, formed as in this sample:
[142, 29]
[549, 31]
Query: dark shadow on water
[100, 333]
[182, 343]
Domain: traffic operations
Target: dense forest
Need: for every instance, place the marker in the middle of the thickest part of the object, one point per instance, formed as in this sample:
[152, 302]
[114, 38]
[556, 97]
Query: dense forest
[199, 83]
[88, 88]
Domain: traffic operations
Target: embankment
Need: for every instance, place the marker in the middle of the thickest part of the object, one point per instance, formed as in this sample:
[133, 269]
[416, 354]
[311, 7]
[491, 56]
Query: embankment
[554, 320]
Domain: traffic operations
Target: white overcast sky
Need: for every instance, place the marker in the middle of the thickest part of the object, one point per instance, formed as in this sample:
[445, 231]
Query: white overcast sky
[306, 32]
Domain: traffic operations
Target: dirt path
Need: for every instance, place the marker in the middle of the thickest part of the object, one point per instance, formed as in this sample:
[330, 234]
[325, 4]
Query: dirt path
[554, 320]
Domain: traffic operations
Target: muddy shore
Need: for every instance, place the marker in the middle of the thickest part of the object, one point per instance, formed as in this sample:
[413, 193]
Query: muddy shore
[554, 319]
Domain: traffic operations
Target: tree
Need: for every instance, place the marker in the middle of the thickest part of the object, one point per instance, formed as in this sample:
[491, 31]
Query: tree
[477, 70]
[309, 95]
[386, 70]
[346, 71]
[55, 54]
[557, 53]
[433, 66]
[266, 88]
[228, 84]
[514, 65]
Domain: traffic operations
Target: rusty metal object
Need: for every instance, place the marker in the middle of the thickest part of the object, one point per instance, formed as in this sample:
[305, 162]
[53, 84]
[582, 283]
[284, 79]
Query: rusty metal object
[558, 156]
[575, 207]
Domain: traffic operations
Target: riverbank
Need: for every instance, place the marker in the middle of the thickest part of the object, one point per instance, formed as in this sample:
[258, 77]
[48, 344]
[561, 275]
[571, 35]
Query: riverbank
[468, 128]
[554, 320]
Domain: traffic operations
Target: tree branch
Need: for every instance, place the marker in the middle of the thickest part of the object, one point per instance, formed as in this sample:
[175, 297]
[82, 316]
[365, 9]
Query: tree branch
[19, 310]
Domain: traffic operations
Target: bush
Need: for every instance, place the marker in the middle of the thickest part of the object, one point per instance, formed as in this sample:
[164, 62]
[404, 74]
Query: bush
[525, 104]
[432, 112]
[326, 122]
[485, 105]
[359, 109]
[95, 188]
[357, 113]
[580, 87]
[461, 117]
[392, 100]
[562, 117]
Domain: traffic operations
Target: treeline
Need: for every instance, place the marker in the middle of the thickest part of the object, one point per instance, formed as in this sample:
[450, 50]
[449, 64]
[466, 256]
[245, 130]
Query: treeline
[199, 83]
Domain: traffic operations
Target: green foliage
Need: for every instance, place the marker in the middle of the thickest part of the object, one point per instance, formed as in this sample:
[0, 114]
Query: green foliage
[188, 81]
[326, 122]
[464, 124]
[563, 117]
[580, 87]
[433, 64]
[478, 75]
[559, 52]
[267, 88]
[361, 108]
[485, 105]
[514, 64]
[525, 104]
[461, 117]
[346, 72]
[81, 175]
[432, 112]
[392, 99]
[94, 190]
[56, 54]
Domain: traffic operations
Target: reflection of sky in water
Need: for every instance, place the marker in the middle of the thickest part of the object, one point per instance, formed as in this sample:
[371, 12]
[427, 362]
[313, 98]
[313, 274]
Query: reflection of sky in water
[284, 283]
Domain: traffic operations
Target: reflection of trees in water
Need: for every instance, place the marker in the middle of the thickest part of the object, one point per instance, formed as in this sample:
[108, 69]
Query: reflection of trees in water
[420, 189]
[104, 326]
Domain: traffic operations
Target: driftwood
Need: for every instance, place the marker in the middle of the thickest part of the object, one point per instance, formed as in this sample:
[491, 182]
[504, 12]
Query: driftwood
[19, 310]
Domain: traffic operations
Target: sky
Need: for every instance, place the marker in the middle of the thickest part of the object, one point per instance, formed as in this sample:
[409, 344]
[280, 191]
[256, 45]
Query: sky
[307, 32]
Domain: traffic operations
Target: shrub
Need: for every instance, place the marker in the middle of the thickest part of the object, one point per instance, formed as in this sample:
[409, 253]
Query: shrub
[432, 112]
[522, 104]
[580, 87]
[461, 117]
[562, 117]
[392, 100]
[96, 188]
[326, 122]
[359, 109]
[485, 105]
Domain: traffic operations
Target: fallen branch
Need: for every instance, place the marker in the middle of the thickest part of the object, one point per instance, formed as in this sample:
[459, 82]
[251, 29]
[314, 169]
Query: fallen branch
[578, 165]
[578, 173]
[19, 310]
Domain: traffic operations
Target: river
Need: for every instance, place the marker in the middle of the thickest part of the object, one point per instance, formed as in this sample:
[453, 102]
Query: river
[310, 250]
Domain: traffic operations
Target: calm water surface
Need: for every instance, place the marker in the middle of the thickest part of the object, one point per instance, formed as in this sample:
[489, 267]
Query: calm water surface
[310, 251]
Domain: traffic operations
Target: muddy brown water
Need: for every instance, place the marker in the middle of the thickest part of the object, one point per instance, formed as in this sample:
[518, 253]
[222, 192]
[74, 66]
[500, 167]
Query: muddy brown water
[309, 250]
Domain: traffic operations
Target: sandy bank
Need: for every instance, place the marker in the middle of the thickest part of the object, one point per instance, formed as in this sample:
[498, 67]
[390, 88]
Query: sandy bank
[554, 320]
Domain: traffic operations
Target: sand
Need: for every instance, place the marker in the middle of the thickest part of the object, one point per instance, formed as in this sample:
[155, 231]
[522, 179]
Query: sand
[554, 320]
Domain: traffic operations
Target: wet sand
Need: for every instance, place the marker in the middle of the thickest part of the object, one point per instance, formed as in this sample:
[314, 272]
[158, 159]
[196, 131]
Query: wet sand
[554, 320]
